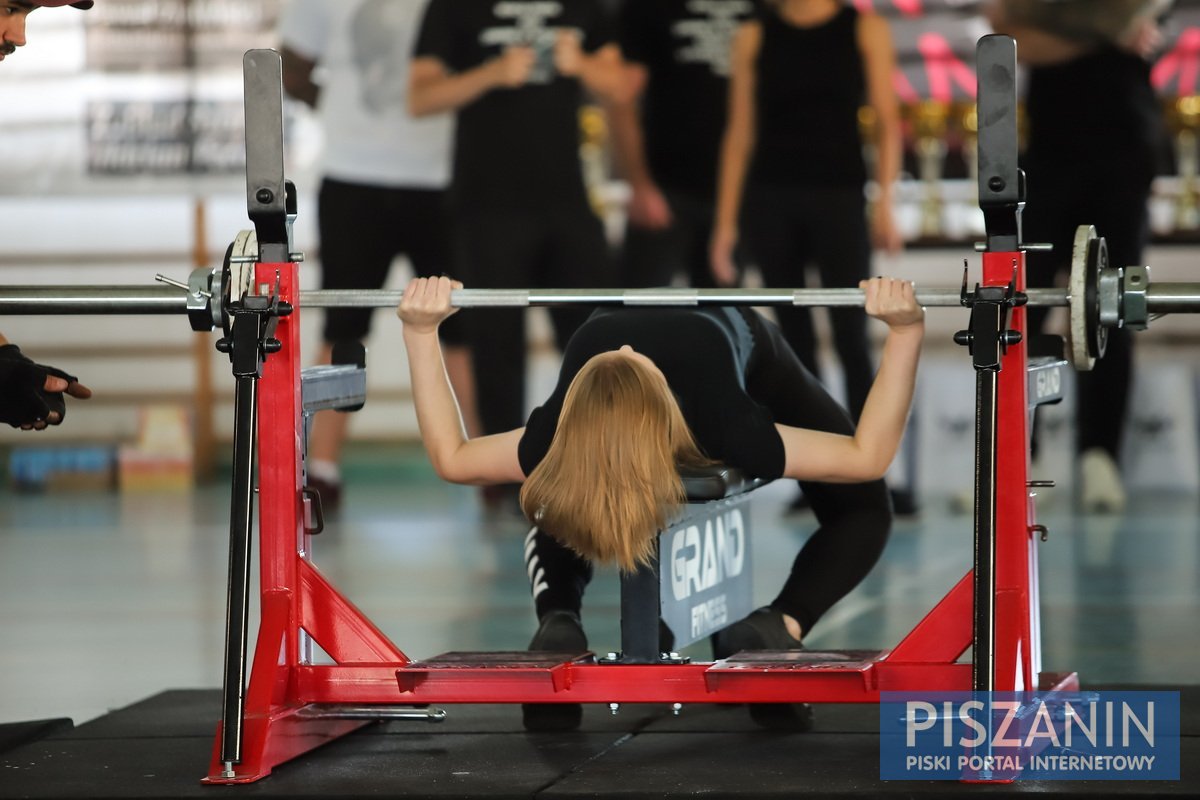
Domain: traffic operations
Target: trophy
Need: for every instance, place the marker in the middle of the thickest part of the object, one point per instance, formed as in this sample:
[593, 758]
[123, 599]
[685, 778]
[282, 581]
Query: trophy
[1183, 119]
[966, 120]
[929, 119]
[593, 153]
[868, 132]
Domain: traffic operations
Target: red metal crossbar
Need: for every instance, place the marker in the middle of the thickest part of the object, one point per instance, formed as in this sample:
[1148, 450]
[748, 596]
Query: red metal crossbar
[299, 604]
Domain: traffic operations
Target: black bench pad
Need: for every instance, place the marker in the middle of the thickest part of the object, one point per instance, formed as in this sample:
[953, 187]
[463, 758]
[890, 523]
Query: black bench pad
[715, 482]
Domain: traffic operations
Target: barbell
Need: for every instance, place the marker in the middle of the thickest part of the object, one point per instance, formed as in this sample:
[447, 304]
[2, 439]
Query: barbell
[1099, 296]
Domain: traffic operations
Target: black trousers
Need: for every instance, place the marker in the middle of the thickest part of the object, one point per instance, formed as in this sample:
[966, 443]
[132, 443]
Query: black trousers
[1064, 194]
[854, 519]
[784, 230]
[561, 248]
[363, 228]
[655, 257]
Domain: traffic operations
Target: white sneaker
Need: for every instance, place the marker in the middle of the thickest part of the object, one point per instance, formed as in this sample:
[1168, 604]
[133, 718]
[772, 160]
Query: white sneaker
[1100, 489]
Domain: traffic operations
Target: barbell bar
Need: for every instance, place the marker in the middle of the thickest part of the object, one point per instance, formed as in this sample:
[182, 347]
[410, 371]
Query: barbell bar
[164, 300]
[155, 300]
[1169, 298]
[1099, 297]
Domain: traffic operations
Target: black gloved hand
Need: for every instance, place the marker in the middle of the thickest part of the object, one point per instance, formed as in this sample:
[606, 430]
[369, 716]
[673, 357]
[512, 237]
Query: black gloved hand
[23, 397]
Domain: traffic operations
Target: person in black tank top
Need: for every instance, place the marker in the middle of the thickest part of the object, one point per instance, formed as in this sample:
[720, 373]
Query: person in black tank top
[643, 391]
[1094, 133]
[792, 168]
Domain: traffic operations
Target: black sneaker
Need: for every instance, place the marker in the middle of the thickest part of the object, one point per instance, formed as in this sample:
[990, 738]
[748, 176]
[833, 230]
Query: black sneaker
[559, 632]
[764, 629]
[666, 637]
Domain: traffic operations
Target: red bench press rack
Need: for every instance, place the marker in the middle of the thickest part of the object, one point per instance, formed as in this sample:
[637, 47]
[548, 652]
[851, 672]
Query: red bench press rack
[284, 704]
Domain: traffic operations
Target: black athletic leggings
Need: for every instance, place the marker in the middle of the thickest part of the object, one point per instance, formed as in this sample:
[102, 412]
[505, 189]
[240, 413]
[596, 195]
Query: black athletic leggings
[854, 519]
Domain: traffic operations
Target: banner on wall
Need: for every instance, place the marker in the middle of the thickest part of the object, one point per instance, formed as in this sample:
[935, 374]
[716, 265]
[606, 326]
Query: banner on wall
[164, 35]
[147, 120]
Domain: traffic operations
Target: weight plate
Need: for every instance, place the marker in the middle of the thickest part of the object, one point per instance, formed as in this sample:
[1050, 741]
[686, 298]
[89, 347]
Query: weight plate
[1081, 349]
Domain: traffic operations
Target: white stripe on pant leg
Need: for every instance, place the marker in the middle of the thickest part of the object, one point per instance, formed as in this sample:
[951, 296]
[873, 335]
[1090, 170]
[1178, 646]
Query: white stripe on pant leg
[537, 575]
[530, 542]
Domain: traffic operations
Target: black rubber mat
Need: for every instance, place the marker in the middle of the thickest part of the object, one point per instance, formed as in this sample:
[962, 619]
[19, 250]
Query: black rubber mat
[160, 748]
[15, 734]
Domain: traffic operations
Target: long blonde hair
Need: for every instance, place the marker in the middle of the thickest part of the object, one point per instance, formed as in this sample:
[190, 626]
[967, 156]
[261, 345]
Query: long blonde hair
[609, 480]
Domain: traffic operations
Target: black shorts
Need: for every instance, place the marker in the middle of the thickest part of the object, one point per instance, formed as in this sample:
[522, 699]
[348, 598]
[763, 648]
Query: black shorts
[363, 229]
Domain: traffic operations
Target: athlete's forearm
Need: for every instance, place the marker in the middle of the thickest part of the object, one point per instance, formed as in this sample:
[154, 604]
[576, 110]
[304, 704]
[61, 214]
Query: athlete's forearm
[438, 415]
[885, 413]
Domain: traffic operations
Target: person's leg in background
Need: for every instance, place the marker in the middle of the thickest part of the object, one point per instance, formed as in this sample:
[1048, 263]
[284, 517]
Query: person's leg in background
[649, 258]
[1046, 220]
[842, 253]
[357, 247]
[772, 238]
[424, 219]
[1119, 212]
[1115, 203]
[497, 249]
[655, 257]
[695, 217]
[576, 257]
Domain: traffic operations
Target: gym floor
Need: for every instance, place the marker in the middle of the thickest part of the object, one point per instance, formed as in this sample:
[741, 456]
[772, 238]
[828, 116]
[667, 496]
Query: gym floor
[108, 599]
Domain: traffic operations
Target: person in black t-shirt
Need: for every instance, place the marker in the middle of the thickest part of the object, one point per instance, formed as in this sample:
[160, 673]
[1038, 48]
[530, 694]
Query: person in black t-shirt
[667, 137]
[1089, 72]
[642, 390]
[516, 73]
